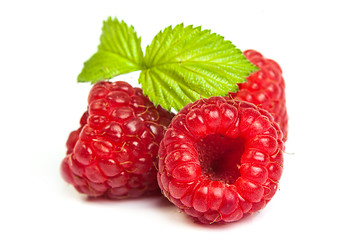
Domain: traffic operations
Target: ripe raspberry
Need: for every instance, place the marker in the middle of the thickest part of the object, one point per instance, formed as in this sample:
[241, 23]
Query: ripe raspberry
[113, 151]
[265, 88]
[74, 135]
[220, 159]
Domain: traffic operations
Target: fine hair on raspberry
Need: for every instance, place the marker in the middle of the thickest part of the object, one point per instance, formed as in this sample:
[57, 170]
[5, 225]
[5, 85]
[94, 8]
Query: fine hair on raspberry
[221, 159]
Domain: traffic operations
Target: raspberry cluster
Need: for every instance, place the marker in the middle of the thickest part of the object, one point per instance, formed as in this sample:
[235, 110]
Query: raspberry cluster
[218, 160]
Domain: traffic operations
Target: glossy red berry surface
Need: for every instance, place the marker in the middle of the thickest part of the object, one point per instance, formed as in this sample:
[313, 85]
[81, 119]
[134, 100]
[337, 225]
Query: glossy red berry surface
[113, 152]
[221, 159]
[265, 88]
[74, 135]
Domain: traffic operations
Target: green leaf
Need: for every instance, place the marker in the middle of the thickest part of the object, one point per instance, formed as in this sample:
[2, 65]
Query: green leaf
[119, 52]
[184, 64]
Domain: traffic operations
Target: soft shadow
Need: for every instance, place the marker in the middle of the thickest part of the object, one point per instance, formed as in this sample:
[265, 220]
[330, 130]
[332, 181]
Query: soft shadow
[106, 200]
[248, 218]
[162, 203]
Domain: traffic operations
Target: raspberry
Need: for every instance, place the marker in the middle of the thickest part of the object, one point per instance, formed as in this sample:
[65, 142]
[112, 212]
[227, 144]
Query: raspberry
[265, 88]
[74, 135]
[112, 154]
[221, 159]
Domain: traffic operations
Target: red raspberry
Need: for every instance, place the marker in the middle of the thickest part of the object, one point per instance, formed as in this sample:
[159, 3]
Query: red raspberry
[74, 135]
[220, 159]
[265, 88]
[112, 154]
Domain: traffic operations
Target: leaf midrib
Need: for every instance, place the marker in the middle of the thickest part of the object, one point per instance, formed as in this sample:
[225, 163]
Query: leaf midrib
[141, 67]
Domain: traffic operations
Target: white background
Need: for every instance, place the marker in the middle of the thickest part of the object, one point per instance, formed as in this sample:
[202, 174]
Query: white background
[43, 45]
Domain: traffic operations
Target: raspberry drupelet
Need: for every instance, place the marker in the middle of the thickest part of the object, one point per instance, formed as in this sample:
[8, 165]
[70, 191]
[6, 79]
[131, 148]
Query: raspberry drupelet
[265, 88]
[74, 135]
[113, 152]
[221, 159]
